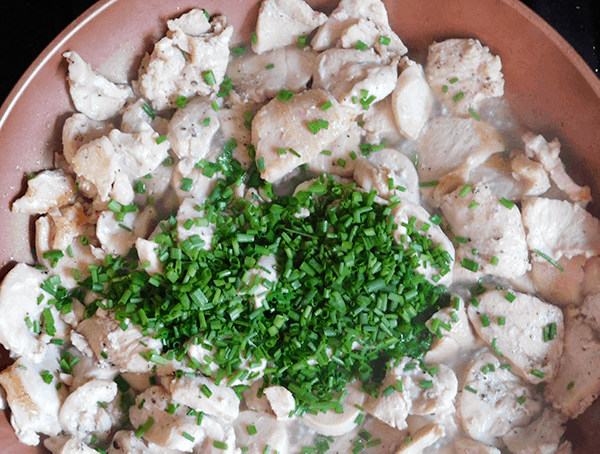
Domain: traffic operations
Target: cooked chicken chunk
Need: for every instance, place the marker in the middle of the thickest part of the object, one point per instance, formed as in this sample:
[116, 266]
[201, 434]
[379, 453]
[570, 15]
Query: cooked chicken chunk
[199, 226]
[333, 423]
[557, 228]
[338, 158]
[269, 431]
[192, 128]
[531, 338]
[424, 392]
[408, 212]
[546, 153]
[79, 130]
[390, 173]
[460, 335]
[285, 125]
[412, 100]
[34, 404]
[81, 412]
[281, 22]
[357, 79]
[281, 400]
[166, 428]
[123, 348]
[542, 435]
[139, 153]
[562, 286]
[202, 394]
[490, 228]
[422, 439]
[291, 70]
[19, 309]
[355, 20]
[494, 401]
[451, 148]
[469, 72]
[186, 64]
[380, 124]
[577, 383]
[48, 189]
[92, 94]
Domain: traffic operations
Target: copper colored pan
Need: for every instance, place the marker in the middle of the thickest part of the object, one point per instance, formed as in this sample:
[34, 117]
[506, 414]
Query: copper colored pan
[551, 88]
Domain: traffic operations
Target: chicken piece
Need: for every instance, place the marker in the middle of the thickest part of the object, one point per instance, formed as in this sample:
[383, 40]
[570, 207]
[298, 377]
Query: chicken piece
[93, 94]
[123, 348]
[357, 79]
[358, 19]
[235, 124]
[541, 436]
[292, 70]
[422, 439]
[332, 423]
[434, 398]
[192, 128]
[193, 23]
[468, 446]
[81, 413]
[166, 428]
[557, 228]
[67, 445]
[19, 309]
[79, 130]
[269, 431]
[98, 164]
[218, 401]
[139, 153]
[200, 228]
[450, 149]
[179, 66]
[408, 213]
[281, 400]
[67, 223]
[215, 434]
[284, 124]
[491, 230]
[386, 171]
[469, 72]
[79, 257]
[136, 118]
[148, 256]
[560, 286]
[380, 124]
[34, 404]
[116, 237]
[531, 173]
[494, 401]
[577, 383]
[459, 337]
[525, 339]
[412, 100]
[337, 159]
[48, 189]
[281, 22]
[547, 154]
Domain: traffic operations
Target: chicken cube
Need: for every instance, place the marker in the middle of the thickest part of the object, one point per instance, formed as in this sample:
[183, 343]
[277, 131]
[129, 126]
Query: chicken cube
[93, 94]
[337, 159]
[494, 400]
[468, 70]
[556, 228]
[79, 130]
[46, 190]
[285, 125]
[532, 335]
[494, 233]
[542, 435]
[281, 22]
[269, 431]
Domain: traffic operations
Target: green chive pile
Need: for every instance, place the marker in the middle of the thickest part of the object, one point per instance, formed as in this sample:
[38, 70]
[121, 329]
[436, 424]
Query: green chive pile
[343, 301]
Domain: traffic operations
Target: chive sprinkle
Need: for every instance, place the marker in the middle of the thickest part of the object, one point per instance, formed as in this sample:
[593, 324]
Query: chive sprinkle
[468, 388]
[507, 203]
[474, 114]
[465, 190]
[548, 258]
[457, 97]
[537, 373]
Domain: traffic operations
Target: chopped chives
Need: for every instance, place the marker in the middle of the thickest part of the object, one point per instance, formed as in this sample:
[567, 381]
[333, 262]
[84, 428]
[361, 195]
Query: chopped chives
[570, 386]
[507, 203]
[326, 105]
[460, 239]
[548, 258]
[444, 88]
[326, 152]
[494, 261]
[501, 320]
[485, 321]
[302, 41]
[251, 429]
[457, 97]
[469, 265]
[468, 388]
[473, 205]
[209, 77]
[384, 40]
[453, 80]
[270, 66]
[474, 114]
[240, 50]
[219, 445]
[537, 373]
[148, 110]
[495, 346]
[360, 45]
[521, 400]
[424, 384]
[253, 38]
[510, 297]
[426, 184]
[465, 190]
